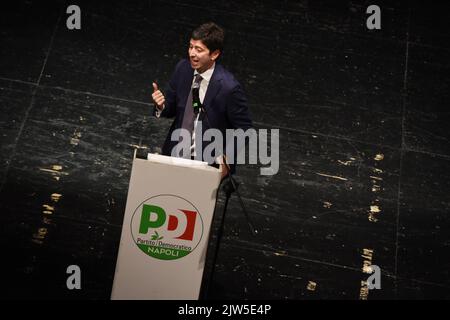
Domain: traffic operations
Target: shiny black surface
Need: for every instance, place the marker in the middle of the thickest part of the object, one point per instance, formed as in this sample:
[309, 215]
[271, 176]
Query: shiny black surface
[364, 143]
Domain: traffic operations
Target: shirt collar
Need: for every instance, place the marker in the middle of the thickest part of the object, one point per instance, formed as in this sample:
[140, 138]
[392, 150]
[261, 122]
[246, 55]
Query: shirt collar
[207, 74]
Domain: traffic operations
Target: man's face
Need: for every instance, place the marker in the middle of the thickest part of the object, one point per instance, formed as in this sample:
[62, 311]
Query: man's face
[200, 57]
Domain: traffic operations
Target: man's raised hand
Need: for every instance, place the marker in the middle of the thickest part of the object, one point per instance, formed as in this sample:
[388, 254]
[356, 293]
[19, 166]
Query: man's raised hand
[158, 97]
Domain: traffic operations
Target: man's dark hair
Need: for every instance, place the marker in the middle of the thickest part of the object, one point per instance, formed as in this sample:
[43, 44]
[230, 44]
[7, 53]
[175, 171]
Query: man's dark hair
[211, 35]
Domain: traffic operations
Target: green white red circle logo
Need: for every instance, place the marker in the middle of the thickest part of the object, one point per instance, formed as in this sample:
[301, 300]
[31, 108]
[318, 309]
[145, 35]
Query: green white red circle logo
[166, 227]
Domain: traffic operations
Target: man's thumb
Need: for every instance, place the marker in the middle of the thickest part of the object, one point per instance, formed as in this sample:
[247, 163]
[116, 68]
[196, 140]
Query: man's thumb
[155, 87]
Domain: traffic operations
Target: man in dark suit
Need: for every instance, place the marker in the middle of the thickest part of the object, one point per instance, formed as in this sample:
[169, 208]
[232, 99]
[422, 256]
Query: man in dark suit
[220, 93]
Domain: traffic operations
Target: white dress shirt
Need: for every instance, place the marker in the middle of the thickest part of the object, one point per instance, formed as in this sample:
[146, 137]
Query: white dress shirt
[206, 78]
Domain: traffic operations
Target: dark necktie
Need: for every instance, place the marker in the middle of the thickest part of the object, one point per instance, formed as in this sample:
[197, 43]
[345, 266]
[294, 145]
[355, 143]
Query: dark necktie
[189, 116]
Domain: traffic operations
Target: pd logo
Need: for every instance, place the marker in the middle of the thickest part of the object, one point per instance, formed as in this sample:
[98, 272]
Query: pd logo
[166, 227]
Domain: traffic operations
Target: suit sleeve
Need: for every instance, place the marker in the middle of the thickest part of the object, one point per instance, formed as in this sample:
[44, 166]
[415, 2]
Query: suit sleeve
[170, 95]
[237, 109]
[239, 118]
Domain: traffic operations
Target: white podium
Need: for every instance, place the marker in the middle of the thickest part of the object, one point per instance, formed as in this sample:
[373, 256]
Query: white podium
[165, 230]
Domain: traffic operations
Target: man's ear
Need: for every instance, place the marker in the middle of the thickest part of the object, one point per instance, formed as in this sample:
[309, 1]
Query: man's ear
[215, 54]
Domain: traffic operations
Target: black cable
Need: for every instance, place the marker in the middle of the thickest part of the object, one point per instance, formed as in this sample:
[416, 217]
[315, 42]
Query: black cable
[233, 182]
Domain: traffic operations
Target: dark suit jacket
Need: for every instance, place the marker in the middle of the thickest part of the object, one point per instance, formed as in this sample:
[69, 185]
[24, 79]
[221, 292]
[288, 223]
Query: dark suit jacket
[225, 103]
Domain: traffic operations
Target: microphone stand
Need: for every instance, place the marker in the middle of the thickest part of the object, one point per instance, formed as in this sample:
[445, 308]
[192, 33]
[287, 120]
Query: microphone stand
[229, 186]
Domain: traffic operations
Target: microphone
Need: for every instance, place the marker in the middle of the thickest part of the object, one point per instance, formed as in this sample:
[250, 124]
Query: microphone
[196, 104]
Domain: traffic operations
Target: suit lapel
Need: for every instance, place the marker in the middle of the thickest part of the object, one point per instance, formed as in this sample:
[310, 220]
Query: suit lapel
[214, 86]
[186, 89]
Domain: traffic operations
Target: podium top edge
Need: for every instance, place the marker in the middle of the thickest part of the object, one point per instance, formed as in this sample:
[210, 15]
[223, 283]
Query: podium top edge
[180, 162]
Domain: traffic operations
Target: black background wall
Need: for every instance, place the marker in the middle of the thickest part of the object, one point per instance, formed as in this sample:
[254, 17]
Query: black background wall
[364, 143]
